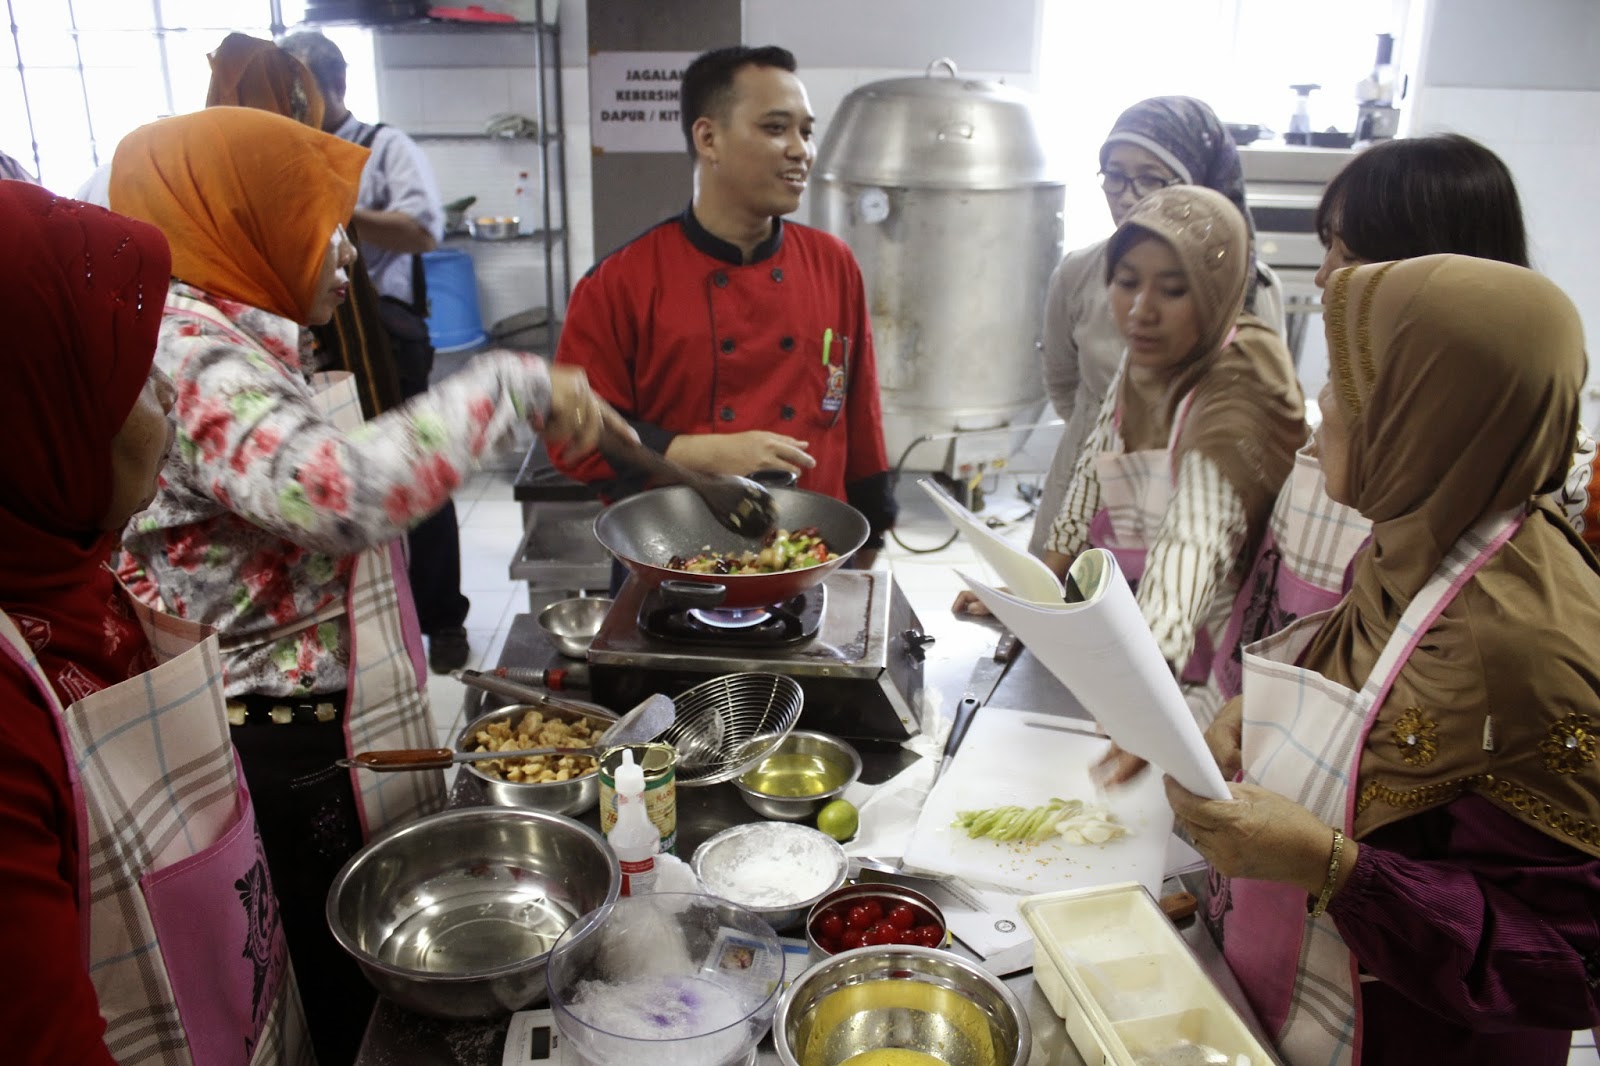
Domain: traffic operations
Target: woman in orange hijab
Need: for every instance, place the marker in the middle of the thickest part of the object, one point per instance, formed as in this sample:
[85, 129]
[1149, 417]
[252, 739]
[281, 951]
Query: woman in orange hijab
[279, 521]
[249, 72]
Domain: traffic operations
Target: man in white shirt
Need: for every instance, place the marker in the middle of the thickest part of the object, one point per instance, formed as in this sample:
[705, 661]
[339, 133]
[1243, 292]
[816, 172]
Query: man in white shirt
[398, 217]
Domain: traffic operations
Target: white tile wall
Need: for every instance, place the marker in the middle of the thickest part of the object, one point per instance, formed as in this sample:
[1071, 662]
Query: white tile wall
[1551, 142]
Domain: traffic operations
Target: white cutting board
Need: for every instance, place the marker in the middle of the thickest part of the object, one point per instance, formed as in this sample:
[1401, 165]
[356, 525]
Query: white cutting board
[1025, 758]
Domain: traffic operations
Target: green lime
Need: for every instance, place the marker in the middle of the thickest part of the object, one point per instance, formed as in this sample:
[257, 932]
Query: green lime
[839, 819]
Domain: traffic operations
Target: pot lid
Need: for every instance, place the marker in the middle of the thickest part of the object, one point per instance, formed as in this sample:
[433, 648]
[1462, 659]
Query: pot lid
[938, 131]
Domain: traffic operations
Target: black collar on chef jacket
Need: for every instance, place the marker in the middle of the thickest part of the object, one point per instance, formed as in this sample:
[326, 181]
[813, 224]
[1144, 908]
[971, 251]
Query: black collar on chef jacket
[717, 248]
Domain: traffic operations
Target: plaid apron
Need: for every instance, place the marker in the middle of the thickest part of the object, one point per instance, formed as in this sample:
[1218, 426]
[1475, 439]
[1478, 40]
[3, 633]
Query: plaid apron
[387, 705]
[1299, 568]
[181, 933]
[1136, 488]
[1302, 737]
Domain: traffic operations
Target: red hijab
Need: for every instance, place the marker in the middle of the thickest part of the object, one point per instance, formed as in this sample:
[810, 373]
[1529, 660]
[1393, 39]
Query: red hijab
[81, 292]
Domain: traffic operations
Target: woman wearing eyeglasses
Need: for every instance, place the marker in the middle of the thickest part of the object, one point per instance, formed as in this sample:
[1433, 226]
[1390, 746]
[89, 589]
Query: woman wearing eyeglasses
[1166, 140]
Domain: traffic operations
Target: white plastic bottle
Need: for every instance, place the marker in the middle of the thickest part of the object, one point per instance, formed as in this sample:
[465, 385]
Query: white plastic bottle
[526, 206]
[634, 838]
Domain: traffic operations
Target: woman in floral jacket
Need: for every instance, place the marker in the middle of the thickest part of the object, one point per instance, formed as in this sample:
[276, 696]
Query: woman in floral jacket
[278, 521]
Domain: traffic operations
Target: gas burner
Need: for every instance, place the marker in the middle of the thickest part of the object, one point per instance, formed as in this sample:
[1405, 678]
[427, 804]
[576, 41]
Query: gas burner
[781, 625]
[730, 617]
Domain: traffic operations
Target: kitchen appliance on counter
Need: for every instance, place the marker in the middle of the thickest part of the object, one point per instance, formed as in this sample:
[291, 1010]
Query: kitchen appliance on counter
[942, 187]
[1283, 185]
[852, 642]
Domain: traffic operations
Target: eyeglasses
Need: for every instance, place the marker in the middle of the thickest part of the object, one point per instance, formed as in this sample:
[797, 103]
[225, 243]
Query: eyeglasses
[1115, 182]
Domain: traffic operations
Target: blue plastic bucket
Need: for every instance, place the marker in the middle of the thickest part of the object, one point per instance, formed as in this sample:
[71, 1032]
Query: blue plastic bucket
[454, 321]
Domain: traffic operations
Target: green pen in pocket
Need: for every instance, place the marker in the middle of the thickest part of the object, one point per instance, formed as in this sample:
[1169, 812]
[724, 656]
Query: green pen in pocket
[827, 344]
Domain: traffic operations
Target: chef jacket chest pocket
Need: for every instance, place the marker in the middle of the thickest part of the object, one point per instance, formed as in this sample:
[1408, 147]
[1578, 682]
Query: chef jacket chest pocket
[824, 374]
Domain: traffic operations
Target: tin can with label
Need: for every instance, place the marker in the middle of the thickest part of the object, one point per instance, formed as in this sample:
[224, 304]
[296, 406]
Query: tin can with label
[660, 765]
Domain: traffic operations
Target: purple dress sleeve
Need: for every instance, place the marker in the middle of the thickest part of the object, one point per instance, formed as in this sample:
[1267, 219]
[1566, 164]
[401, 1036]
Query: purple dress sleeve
[1479, 918]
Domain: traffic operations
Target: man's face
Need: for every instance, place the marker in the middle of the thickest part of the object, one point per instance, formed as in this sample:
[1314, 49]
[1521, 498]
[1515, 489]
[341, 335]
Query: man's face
[761, 154]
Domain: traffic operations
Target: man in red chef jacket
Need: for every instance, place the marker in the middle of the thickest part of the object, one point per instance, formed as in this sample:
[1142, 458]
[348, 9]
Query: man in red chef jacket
[731, 340]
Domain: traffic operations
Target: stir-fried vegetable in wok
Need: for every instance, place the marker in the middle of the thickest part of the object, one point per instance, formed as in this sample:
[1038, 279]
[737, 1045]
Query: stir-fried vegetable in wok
[780, 550]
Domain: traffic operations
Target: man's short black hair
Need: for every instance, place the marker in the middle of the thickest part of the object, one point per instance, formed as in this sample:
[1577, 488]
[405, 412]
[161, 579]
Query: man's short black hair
[319, 54]
[708, 83]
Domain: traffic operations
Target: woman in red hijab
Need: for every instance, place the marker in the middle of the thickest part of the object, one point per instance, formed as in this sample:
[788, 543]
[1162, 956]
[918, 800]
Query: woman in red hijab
[117, 782]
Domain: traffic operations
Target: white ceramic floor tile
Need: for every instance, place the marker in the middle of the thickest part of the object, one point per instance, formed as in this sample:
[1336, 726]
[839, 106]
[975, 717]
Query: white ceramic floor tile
[489, 603]
[1583, 1038]
[495, 514]
[1583, 1056]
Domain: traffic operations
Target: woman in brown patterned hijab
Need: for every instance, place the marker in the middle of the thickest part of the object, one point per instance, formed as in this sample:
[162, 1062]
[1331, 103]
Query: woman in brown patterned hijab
[1457, 382]
[1468, 892]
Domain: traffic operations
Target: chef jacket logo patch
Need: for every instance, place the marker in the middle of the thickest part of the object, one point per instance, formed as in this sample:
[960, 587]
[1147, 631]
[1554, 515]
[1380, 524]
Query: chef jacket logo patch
[833, 399]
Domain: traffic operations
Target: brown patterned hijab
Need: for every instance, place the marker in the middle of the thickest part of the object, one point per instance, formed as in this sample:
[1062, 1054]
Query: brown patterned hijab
[1459, 381]
[1248, 413]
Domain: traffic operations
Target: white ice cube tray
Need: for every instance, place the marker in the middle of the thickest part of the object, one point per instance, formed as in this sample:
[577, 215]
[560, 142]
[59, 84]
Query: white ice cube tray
[1120, 976]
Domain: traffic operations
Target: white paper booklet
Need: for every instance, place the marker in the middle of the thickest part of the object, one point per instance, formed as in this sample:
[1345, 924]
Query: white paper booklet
[1099, 647]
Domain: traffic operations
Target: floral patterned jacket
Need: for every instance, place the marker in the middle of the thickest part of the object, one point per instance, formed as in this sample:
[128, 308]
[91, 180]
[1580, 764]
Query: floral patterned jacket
[266, 504]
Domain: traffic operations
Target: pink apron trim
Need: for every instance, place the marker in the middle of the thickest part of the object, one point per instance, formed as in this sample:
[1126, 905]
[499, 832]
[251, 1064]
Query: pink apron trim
[205, 963]
[1286, 592]
[410, 628]
[1411, 643]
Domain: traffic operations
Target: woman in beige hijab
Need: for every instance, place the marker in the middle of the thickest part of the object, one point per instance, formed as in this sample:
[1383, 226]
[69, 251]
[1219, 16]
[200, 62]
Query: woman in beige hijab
[1197, 432]
[1445, 715]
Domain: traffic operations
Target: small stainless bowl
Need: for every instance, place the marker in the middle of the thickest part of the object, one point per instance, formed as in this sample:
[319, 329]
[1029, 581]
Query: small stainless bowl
[921, 999]
[572, 797]
[731, 863]
[572, 624]
[454, 915]
[801, 758]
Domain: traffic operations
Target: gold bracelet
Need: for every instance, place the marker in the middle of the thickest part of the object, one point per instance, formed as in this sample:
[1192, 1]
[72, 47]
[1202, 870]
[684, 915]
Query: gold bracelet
[1333, 875]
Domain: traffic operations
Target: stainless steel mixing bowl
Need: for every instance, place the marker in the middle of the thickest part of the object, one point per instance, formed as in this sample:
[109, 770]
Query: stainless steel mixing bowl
[804, 865]
[572, 797]
[455, 914]
[896, 996]
[572, 624]
[819, 765]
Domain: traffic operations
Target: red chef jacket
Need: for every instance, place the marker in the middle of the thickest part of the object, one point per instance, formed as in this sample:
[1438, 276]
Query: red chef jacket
[682, 336]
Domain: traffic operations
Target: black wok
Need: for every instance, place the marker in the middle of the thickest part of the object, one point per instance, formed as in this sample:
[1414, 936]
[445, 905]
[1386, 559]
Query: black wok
[647, 530]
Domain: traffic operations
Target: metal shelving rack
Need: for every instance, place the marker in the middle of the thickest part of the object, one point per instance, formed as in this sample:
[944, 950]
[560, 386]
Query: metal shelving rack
[553, 238]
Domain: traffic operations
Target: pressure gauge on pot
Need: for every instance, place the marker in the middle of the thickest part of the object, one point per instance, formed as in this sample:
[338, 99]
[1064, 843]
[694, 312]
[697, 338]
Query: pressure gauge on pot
[872, 205]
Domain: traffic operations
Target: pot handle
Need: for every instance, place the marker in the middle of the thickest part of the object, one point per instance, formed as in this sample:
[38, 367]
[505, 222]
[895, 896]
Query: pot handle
[400, 759]
[704, 595]
[947, 63]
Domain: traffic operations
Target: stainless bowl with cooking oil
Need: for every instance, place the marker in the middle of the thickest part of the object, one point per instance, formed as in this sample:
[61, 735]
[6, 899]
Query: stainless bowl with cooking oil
[900, 997]
[796, 778]
[455, 915]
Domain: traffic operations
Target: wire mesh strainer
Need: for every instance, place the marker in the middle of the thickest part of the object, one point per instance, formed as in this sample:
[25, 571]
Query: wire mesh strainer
[727, 724]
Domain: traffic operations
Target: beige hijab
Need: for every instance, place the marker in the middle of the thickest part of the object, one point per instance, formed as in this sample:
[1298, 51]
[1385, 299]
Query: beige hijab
[1248, 413]
[1459, 380]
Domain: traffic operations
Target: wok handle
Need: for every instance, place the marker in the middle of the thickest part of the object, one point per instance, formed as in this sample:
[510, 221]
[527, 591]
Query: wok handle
[402, 759]
[693, 593]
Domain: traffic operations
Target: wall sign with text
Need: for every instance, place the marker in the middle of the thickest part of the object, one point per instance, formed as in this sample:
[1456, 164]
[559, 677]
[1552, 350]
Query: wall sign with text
[633, 101]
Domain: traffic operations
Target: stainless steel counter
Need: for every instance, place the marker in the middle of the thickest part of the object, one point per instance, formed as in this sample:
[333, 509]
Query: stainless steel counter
[397, 1037]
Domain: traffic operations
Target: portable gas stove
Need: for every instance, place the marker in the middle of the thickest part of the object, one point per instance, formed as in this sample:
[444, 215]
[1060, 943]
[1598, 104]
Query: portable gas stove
[852, 642]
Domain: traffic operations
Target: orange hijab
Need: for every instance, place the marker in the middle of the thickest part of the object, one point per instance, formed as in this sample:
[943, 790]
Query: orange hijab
[249, 72]
[247, 200]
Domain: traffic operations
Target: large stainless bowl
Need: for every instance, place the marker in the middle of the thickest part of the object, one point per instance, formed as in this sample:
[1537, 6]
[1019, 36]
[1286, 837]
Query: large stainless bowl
[455, 915]
[797, 777]
[572, 624]
[562, 797]
[923, 999]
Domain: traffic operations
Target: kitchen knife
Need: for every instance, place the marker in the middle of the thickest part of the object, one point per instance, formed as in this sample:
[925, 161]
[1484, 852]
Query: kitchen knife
[985, 678]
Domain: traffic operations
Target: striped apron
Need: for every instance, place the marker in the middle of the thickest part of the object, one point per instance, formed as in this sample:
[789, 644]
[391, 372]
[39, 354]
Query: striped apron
[181, 935]
[1136, 489]
[1302, 737]
[1299, 568]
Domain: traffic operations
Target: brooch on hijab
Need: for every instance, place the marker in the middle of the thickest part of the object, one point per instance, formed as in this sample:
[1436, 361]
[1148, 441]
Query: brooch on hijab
[1416, 737]
[1569, 746]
